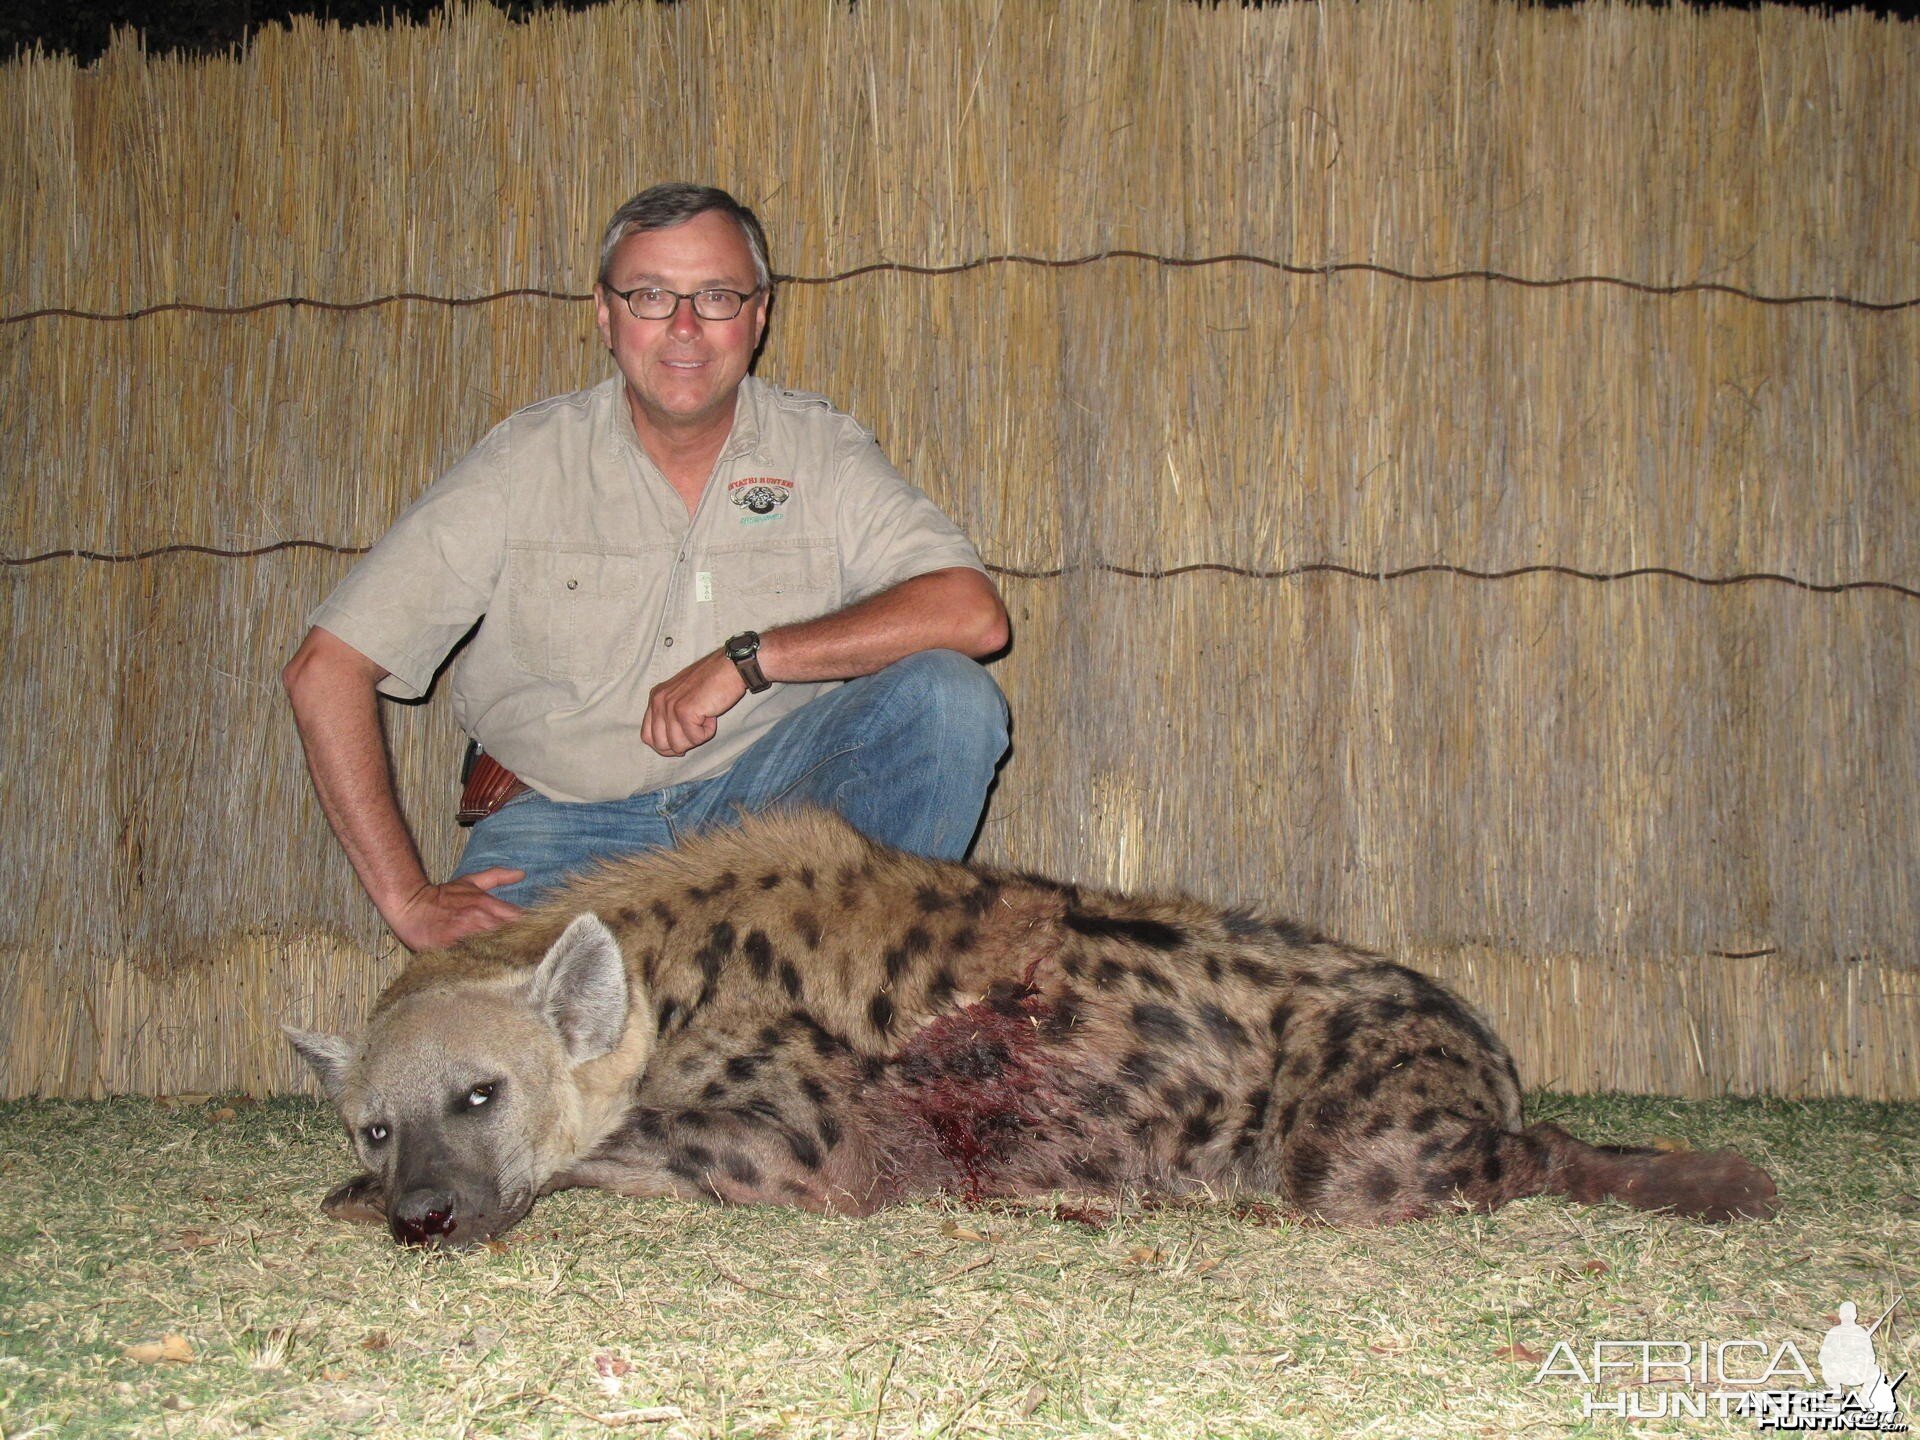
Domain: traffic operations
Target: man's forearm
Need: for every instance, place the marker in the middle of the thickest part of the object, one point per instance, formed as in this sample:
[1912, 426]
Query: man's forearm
[956, 609]
[338, 714]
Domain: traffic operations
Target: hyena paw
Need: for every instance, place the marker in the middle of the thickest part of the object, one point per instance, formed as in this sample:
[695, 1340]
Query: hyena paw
[360, 1200]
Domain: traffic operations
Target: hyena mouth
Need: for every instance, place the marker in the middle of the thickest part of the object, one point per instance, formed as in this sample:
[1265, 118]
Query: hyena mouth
[451, 1222]
[434, 1227]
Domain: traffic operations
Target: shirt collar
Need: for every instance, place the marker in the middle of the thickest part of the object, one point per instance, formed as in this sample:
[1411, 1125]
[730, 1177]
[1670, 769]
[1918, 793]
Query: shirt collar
[745, 437]
[742, 439]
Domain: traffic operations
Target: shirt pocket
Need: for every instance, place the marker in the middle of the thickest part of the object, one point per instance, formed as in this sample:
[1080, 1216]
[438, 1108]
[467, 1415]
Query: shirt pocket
[575, 611]
[759, 586]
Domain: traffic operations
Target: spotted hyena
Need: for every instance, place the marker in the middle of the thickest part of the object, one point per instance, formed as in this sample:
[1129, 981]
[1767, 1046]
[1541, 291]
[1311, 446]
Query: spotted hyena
[787, 1013]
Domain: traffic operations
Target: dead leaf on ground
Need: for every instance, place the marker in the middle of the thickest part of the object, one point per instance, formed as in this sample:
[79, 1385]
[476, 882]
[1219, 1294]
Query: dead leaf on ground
[1145, 1255]
[192, 1240]
[376, 1340]
[1597, 1267]
[1031, 1401]
[501, 1244]
[1087, 1215]
[956, 1231]
[169, 1348]
[224, 1113]
[1519, 1354]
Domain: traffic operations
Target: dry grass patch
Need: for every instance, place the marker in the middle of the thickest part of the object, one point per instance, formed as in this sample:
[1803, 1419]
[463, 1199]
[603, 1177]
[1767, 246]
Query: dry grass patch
[191, 1231]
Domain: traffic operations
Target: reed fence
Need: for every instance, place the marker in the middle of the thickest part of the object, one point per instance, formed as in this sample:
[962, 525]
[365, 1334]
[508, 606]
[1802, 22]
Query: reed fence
[1452, 467]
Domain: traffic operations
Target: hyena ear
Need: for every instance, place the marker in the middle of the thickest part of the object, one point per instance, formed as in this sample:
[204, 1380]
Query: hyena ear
[327, 1055]
[580, 985]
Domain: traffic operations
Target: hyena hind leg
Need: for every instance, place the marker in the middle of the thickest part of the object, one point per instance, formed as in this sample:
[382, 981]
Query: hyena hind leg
[1377, 1176]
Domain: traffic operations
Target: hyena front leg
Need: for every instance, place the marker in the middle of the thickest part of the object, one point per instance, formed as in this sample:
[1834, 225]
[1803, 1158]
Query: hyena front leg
[739, 1155]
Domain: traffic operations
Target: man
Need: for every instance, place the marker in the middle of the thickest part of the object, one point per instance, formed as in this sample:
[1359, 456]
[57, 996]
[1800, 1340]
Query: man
[615, 545]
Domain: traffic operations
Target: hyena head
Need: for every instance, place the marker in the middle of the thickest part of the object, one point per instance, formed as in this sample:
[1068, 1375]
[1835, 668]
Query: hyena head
[464, 1100]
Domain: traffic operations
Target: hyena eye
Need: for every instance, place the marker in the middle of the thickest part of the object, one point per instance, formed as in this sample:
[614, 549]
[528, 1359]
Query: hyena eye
[479, 1095]
[375, 1134]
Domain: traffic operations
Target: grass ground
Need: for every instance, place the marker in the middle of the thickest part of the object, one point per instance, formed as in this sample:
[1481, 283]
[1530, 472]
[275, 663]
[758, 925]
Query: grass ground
[163, 1272]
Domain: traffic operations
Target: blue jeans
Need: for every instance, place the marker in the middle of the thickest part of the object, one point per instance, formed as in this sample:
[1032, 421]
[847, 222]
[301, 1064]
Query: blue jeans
[906, 755]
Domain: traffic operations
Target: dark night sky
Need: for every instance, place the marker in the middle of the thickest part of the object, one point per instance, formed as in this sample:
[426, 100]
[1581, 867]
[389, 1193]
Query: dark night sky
[80, 27]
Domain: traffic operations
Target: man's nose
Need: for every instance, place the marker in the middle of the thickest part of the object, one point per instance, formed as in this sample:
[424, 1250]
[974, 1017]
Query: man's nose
[683, 324]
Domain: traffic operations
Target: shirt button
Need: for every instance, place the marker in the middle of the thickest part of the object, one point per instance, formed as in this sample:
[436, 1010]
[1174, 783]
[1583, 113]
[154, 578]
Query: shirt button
[573, 584]
[668, 642]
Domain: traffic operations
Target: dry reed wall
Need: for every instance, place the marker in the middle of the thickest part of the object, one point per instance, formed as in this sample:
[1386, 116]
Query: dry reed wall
[1667, 831]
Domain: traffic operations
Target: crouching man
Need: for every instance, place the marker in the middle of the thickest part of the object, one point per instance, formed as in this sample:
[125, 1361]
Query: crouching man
[697, 595]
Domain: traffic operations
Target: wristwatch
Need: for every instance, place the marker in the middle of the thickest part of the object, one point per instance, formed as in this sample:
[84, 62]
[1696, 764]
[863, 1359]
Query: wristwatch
[744, 651]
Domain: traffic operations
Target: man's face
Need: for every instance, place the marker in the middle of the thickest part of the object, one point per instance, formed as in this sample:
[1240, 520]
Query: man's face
[682, 372]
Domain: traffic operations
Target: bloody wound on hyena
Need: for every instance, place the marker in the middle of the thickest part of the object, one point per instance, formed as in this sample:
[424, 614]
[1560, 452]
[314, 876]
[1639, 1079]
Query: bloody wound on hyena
[787, 1013]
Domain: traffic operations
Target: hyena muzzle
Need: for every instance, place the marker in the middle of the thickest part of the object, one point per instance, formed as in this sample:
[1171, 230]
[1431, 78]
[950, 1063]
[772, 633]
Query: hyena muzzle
[787, 1013]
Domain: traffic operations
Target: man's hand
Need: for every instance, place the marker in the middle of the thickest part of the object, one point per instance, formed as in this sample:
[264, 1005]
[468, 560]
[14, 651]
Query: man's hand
[435, 916]
[684, 710]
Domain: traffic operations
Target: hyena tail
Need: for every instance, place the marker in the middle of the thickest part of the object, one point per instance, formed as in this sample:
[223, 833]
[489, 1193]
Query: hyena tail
[1400, 1175]
[1713, 1185]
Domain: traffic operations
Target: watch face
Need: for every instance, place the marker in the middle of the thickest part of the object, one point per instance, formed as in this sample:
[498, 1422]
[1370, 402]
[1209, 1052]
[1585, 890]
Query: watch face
[743, 647]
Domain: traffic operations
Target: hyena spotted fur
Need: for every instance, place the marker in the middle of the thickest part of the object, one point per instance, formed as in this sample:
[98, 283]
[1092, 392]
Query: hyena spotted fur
[787, 1013]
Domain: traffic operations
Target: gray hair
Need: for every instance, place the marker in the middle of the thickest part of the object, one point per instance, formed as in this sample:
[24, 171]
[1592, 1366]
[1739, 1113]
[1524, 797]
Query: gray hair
[661, 207]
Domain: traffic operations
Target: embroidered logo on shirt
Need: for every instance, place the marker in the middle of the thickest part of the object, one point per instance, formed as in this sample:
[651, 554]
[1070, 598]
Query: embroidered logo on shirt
[761, 494]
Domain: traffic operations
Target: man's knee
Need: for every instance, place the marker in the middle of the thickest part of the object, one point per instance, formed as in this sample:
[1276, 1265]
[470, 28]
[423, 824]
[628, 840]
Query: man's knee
[956, 695]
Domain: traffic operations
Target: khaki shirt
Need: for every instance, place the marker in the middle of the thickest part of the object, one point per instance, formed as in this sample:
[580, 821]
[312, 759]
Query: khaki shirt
[591, 585]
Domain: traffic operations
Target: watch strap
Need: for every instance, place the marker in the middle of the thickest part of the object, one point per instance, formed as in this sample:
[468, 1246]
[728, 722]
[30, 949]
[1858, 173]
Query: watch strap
[744, 650]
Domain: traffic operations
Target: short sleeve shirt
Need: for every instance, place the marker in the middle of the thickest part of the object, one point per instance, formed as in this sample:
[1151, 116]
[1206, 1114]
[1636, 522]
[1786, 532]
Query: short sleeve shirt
[591, 584]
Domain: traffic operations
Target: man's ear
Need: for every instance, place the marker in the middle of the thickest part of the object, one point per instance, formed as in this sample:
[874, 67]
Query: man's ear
[580, 986]
[763, 308]
[327, 1055]
[602, 314]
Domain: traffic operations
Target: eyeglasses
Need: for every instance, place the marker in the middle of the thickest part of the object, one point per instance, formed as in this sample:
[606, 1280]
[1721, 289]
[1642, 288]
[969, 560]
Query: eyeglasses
[653, 302]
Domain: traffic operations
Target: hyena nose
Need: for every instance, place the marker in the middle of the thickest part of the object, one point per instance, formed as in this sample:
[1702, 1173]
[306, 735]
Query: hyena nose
[424, 1217]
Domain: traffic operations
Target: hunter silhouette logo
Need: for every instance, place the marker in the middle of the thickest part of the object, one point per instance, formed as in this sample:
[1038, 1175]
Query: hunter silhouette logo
[1849, 1366]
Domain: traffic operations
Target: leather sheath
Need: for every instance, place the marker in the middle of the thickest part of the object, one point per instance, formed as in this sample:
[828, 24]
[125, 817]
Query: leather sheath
[489, 785]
